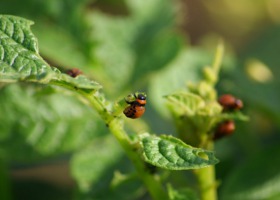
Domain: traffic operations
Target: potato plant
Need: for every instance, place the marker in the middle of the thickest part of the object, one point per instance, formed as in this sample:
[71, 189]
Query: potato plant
[26, 76]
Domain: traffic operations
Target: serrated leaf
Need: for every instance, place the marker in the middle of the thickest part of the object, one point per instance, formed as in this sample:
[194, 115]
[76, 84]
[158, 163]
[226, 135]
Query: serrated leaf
[20, 59]
[171, 153]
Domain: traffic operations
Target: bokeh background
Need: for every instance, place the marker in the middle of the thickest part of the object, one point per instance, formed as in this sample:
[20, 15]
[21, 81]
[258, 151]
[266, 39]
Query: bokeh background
[53, 147]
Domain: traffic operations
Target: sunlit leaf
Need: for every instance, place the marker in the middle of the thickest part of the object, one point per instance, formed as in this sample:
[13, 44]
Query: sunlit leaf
[184, 103]
[20, 59]
[171, 153]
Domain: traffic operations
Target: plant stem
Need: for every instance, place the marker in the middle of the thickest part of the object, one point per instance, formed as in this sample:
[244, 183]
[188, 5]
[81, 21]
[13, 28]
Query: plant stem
[152, 182]
[115, 125]
[207, 183]
[206, 180]
[218, 57]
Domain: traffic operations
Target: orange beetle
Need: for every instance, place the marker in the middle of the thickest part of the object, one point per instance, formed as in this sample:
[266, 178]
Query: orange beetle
[230, 102]
[137, 105]
[223, 129]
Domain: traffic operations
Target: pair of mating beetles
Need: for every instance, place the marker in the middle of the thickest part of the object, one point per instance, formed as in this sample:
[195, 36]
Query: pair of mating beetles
[136, 101]
[136, 106]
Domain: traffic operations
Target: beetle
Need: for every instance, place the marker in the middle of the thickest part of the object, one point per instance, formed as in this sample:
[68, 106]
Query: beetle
[230, 102]
[136, 106]
[223, 129]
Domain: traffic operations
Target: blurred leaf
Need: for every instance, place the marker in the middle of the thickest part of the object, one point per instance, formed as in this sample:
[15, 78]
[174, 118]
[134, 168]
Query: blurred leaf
[113, 7]
[156, 41]
[181, 194]
[257, 178]
[154, 49]
[90, 164]
[185, 103]
[31, 8]
[195, 116]
[237, 115]
[44, 124]
[186, 67]
[263, 50]
[57, 23]
[5, 182]
[112, 52]
[59, 46]
[136, 45]
[171, 153]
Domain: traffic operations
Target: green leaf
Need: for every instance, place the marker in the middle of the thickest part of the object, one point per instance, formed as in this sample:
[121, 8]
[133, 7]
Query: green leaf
[80, 82]
[234, 116]
[60, 46]
[195, 117]
[112, 52]
[200, 116]
[186, 67]
[41, 122]
[171, 153]
[90, 164]
[257, 178]
[184, 103]
[20, 59]
[181, 194]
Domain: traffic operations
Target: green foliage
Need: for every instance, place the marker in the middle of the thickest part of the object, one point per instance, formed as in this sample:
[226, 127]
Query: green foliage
[251, 181]
[181, 194]
[19, 51]
[57, 124]
[91, 163]
[20, 59]
[127, 46]
[171, 153]
[185, 67]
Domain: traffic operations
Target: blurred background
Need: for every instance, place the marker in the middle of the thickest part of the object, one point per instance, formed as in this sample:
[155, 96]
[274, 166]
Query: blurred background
[53, 147]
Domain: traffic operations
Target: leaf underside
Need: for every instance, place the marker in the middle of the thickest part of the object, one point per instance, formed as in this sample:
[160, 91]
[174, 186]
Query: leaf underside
[173, 154]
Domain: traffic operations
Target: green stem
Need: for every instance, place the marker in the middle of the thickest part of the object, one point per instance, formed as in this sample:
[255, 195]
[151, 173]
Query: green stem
[115, 125]
[207, 180]
[152, 182]
[207, 183]
[218, 57]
